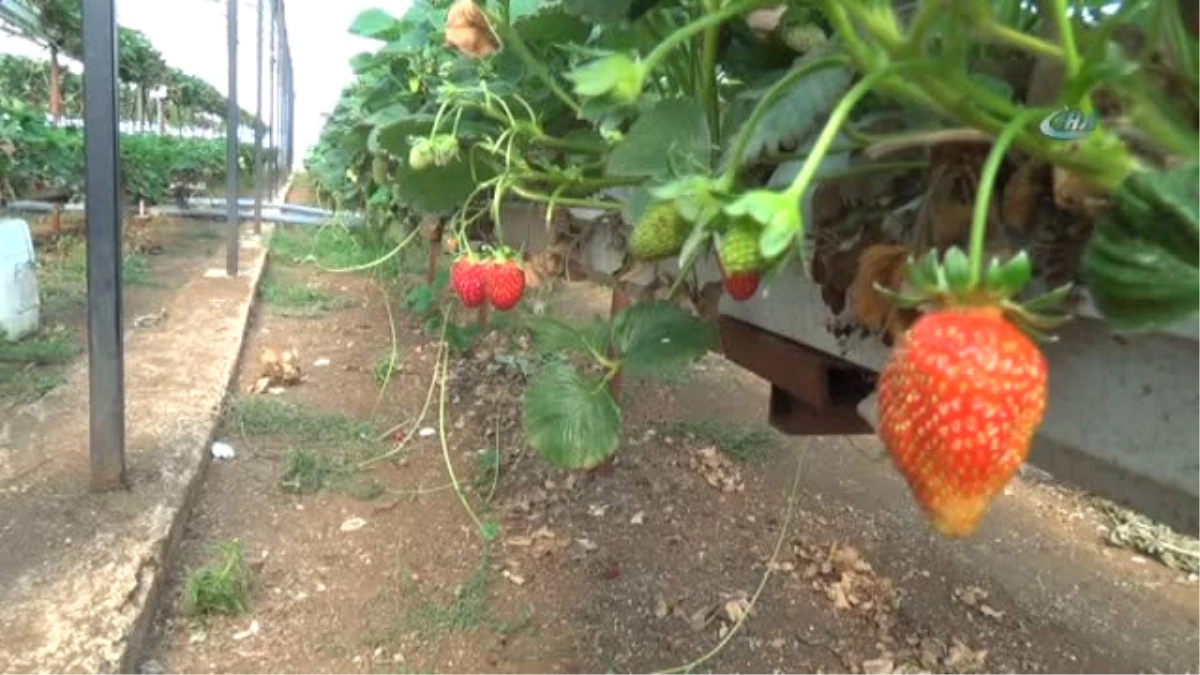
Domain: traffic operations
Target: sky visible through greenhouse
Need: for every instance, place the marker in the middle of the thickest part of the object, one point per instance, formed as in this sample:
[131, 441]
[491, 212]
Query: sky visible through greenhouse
[191, 36]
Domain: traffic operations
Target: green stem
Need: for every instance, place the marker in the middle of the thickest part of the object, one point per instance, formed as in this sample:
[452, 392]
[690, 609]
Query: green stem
[1066, 35]
[776, 92]
[708, 74]
[567, 201]
[546, 140]
[1072, 62]
[685, 33]
[445, 371]
[836, 119]
[987, 183]
[513, 38]
[995, 29]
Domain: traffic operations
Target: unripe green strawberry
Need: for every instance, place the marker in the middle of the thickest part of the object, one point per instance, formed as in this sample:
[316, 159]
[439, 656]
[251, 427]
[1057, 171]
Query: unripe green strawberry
[420, 156]
[959, 402]
[379, 169]
[659, 233]
[739, 259]
[445, 149]
[804, 37]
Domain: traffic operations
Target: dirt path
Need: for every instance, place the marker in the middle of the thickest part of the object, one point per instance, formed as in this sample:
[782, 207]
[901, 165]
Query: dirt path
[381, 570]
[77, 567]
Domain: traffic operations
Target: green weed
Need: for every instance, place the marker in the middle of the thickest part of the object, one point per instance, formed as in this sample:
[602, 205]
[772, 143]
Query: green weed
[745, 443]
[220, 587]
[261, 416]
[298, 300]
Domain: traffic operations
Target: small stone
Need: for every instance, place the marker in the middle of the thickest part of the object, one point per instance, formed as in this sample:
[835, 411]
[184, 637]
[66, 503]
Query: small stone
[151, 667]
[353, 524]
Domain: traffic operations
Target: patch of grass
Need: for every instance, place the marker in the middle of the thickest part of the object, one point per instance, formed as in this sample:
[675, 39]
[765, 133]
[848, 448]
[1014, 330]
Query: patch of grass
[62, 274]
[42, 349]
[20, 386]
[384, 369]
[466, 610]
[745, 443]
[222, 586]
[257, 416]
[305, 472]
[297, 300]
[336, 246]
[331, 445]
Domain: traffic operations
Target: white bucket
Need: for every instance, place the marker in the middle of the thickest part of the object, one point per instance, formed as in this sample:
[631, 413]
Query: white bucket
[18, 280]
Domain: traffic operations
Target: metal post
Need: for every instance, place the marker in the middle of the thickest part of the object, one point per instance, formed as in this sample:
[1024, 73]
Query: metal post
[291, 113]
[271, 134]
[258, 135]
[106, 355]
[233, 126]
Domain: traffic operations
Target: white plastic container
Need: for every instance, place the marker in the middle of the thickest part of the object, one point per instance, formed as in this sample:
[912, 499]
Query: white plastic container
[19, 306]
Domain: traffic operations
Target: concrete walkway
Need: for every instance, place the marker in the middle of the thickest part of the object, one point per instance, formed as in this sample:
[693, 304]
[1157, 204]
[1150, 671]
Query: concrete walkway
[80, 572]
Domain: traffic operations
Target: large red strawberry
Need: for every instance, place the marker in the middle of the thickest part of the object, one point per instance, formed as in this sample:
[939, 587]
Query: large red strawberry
[959, 401]
[740, 261]
[467, 280]
[504, 282]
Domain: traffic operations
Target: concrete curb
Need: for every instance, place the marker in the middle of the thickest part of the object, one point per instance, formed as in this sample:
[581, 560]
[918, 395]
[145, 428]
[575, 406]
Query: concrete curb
[139, 633]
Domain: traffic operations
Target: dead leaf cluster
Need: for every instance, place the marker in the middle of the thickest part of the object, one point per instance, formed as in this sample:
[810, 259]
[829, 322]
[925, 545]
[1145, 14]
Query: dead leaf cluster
[975, 598]
[848, 581]
[277, 369]
[717, 469]
[540, 543]
[468, 30]
[927, 655]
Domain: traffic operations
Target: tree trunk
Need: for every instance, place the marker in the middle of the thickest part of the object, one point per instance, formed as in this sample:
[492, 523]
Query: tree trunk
[55, 85]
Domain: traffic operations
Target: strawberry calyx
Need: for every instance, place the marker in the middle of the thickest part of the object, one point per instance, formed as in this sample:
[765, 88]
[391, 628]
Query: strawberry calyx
[931, 284]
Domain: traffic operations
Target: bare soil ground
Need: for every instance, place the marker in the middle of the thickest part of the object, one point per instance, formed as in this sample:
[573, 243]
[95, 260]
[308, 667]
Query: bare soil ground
[377, 567]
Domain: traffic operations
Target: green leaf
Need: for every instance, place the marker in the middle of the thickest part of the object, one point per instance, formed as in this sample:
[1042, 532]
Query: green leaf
[394, 136]
[614, 76]
[1141, 261]
[436, 188]
[1137, 285]
[796, 114]
[550, 25]
[551, 336]
[603, 11]
[659, 335]
[674, 133]
[375, 24]
[571, 420]
[958, 269]
[489, 530]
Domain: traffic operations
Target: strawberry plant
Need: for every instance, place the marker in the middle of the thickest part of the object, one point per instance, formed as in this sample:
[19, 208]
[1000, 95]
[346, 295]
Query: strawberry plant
[808, 133]
[570, 415]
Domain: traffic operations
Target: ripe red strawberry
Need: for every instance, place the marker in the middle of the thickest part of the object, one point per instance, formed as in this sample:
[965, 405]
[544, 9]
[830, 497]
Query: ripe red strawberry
[504, 282]
[467, 280]
[740, 261]
[960, 399]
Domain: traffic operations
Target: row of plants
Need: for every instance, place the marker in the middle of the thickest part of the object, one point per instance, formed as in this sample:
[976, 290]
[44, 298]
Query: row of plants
[140, 69]
[39, 160]
[951, 203]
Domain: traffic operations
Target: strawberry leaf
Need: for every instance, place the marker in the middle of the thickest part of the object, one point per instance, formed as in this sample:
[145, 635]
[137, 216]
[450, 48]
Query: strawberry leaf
[672, 133]
[1141, 261]
[570, 419]
[551, 336]
[657, 336]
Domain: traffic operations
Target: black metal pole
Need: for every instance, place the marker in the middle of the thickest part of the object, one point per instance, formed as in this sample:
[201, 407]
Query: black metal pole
[233, 126]
[272, 135]
[258, 129]
[102, 147]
